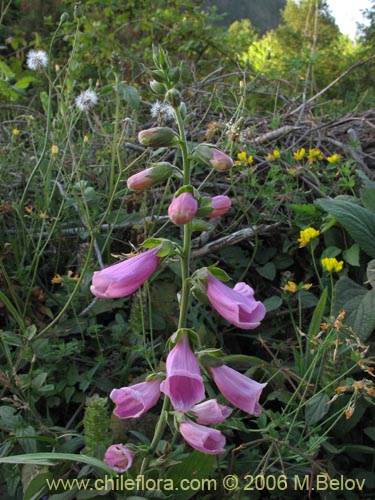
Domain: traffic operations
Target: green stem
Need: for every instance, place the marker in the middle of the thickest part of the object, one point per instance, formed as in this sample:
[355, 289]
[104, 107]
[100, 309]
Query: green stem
[185, 291]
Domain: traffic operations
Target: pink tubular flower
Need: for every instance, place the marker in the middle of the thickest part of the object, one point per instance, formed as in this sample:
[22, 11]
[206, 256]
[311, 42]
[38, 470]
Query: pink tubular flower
[210, 412]
[240, 390]
[183, 208]
[201, 438]
[220, 205]
[123, 278]
[150, 176]
[236, 305]
[214, 157]
[133, 401]
[119, 457]
[184, 383]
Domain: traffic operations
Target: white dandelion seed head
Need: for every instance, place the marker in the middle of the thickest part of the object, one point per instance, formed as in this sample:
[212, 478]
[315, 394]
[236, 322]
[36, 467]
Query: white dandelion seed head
[162, 111]
[86, 100]
[37, 59]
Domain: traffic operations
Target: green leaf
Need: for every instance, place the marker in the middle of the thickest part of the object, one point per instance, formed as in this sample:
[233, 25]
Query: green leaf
[370, 273]
[351, 255]
[317, 316]
[220, 274]
[195, 466]
[358, 221]
[51, 458]
[316, 408]
[330, 252]
[130, 95]
[272, 303]
[24, 82]
[36, 486]
[359, 305]
[5, 71]
[268, 271]
[368, 199]
[370, 432]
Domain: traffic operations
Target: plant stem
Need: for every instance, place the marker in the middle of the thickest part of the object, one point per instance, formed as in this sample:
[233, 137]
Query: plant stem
[185, 291]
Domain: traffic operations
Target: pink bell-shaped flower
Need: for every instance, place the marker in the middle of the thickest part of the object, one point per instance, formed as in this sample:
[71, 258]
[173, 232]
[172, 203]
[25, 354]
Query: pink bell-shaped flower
[183, 208]
[133, 401]
[220, 205]
[184, 383]
[210, 412]
[214, 157]
[201, 438]
[119, 457]
[237, 305]
[123, 278]
[147, 178]
[241, 391]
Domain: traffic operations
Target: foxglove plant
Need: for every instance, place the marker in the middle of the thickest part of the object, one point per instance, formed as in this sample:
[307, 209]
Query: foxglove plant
[182, 386]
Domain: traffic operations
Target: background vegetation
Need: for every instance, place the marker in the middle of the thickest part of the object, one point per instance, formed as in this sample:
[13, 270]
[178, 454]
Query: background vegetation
[297, 101]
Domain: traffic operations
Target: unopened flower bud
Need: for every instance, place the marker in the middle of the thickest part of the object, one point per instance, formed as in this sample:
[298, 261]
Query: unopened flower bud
[214, 157]
[158, 137]
[220, 205]
[183, 208]
[150, 176]
[158, 88]
[173, 97]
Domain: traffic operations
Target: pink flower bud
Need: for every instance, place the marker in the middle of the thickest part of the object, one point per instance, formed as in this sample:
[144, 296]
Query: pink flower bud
[133, 401]
[158, 137]
[201, 438]
[184, 383]
[241, 391]
[119, 457]
[183, 208]
[123, 278]
[210, 412]
[220, 205]
[214, 157]
[236, 305]
[151, 176]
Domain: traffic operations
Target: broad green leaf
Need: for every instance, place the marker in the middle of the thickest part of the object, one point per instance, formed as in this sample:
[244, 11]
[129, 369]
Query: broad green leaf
[24, 82]
[196, 465]
[368, 199]
[351, 255]
[36, 486]
[358, 221]
[370, 273]
[316, 408]
[358, 304]
[5, 71]
[272, 303]
[130, 95]
[268, 271]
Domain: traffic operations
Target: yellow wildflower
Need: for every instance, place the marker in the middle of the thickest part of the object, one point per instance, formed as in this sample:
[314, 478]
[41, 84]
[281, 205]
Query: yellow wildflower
[314, 154]
[299, 154]
[307, 286]
[332, 264]
[292, 171]
[306, 235]
[54, 149]
[85, 139]
[273, 156]
[334, 158]
[290, 287]
[56, 279]
[243, 159]
[16, 132]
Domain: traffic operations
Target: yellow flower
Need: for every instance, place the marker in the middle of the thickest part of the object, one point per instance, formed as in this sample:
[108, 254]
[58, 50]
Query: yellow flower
[16, 132]
[332, 264]
[299, 154]
[334, 158]
[307, 286]
[273, 156]
[56, 279]
[243, 159]
[292, 171]
[314, 154]
[290, 287]
[306, 235]
[85, 139]
[54, 149]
